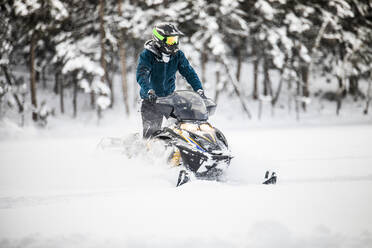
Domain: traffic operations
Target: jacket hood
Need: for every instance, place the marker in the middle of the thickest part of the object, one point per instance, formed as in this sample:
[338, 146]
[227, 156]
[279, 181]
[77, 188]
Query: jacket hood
[151, 46]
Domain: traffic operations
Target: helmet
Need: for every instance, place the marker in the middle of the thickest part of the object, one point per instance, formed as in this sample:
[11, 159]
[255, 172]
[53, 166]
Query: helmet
[166, 37]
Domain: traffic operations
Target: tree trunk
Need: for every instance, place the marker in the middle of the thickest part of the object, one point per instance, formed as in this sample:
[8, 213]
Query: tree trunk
[217, 90]
[33, 76]
[305, 86]
[369, 97]
[340, 84]
[267, 90]
[16, 97]
[255, 78]
[136, 87]
[353, 85]
[266, 81]
[61, 95]
[297, 104]
[93, 99]
[43, 77]
[204, 60]
[103, 51]
[289, 87]
[74, 100]
[277, 94]
[239, 66]
[354, 88]
[56, 82]
[341, 92]
[22, 112]
[1, 104]
[122, 54]
[235, 83]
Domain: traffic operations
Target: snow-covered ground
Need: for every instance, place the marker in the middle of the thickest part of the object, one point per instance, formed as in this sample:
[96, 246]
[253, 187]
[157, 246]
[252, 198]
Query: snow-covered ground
[59, 189]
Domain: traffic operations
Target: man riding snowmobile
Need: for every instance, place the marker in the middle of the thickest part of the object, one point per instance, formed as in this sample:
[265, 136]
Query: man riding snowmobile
[198, 147]
[156, 73]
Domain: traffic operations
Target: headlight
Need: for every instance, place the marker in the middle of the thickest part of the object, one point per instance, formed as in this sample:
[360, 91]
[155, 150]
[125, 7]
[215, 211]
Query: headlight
[191, 127]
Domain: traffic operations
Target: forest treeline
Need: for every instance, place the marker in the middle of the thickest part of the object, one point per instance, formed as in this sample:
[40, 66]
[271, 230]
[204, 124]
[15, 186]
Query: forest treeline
[83, 44]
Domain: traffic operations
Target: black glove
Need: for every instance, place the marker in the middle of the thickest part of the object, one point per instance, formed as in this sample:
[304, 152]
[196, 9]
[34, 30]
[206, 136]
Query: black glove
[201, 93]
[152, 96]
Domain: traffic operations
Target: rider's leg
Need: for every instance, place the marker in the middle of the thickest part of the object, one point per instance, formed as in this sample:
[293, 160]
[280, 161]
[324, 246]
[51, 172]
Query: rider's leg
[151, 118]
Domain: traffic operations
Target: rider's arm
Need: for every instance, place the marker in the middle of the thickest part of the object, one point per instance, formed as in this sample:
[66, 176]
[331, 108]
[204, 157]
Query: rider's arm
[143, 71]
[188, 72]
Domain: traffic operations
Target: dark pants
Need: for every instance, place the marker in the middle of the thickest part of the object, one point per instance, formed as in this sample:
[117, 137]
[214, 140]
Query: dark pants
[152, 118]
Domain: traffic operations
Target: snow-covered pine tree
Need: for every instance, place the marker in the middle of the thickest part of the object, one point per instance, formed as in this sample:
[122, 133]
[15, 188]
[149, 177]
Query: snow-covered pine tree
[220, 27]
[32, 23]
[78, 51]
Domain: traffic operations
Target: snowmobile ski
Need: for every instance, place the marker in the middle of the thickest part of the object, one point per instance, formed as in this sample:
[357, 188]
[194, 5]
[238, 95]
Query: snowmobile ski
[183, 178]
[270, 180]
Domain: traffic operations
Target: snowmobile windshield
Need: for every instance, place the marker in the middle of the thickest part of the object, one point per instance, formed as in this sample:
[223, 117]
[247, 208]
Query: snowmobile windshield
[187, 105]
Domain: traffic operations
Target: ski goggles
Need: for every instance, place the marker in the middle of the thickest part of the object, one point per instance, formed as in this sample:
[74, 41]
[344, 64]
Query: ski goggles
[169, 40]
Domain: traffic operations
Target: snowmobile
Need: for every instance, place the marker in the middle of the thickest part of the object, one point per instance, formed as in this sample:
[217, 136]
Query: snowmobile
[189, 143]
[199, 148]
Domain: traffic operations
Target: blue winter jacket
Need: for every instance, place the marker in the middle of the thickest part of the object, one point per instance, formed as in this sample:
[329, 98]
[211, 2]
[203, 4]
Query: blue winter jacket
[161, 76]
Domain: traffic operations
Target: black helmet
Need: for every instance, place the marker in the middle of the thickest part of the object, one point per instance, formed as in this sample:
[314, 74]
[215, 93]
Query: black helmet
[166, 36]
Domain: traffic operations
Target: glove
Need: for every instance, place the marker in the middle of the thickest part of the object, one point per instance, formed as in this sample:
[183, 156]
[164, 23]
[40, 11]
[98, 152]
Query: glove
[201, 93]
[152, 96]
